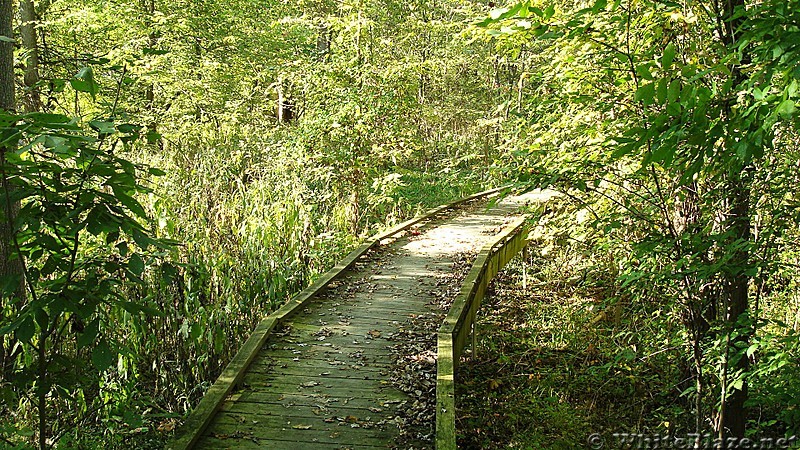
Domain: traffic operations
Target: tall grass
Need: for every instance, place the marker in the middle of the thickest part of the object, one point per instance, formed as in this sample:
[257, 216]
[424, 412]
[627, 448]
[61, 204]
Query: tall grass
[256, 223]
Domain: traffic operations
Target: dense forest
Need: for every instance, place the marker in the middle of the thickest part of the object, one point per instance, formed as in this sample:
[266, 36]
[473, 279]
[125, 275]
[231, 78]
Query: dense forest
[174, 170]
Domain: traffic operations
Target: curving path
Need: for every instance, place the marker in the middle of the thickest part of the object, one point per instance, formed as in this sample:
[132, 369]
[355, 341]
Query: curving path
[322, 379]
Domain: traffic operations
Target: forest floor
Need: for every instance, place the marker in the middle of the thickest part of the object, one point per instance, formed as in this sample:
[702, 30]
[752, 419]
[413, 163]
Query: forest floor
[543, 378]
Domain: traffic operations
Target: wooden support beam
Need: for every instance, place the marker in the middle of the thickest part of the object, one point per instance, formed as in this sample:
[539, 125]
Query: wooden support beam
[454, 332]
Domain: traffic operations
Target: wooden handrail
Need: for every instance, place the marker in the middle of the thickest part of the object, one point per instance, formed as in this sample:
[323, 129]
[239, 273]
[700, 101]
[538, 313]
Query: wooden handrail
[453, 334]
[232, 375]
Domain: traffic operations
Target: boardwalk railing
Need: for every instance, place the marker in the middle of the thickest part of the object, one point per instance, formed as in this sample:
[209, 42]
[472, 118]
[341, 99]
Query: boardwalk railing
[203, 414]
[460, 322]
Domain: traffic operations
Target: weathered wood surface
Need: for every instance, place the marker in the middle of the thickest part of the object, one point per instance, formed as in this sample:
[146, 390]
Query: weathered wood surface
[326, 356]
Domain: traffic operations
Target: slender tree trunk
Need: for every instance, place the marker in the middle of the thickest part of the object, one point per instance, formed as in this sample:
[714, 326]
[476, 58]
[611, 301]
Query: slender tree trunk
[10, 266]
[735, 293]
[31, 100]
[734, 414]
[150, 91]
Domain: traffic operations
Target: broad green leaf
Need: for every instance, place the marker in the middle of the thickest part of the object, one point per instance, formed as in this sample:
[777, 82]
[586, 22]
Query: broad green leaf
[668, 57]
[786, 108]
[129, 128]
[643, 70]
[153, 137]
[599, 5]
[661, 91]
[136, 265]
[549, 11]
[25, 330]
[84, 81]
[142, 239]
[102, 356]
[674, 91]
[132, 204]
[135, 308]
[102, 127]
[89, 334]
[47, 118]
[7, 39]
[645, 94]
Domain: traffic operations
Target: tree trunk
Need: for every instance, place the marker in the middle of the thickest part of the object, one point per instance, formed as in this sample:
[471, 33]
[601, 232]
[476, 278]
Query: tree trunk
[734, 414]
[6, 56]
[150, 91]
[10, 266]
[32, 100]
[738, 223]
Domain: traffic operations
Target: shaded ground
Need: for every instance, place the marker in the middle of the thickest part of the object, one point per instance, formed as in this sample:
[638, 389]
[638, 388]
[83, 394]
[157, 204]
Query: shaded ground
[546, 377]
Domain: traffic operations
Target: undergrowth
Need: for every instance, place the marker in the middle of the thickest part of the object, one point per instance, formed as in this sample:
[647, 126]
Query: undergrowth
[563, 353]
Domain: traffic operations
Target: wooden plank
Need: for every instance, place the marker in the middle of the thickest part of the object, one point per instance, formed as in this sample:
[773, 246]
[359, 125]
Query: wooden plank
[260, 412]
[270, 429]
[313, 409]
[385, 400]
[211, 442]
[445, 394]
[324, 363]
[259, 380]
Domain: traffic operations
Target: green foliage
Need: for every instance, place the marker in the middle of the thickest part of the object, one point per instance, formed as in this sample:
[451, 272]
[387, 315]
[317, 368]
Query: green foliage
[79, 234]
[674, 135]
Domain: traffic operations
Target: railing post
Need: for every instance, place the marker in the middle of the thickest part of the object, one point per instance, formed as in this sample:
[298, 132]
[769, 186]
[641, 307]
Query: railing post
[475, 338]
[525, 267]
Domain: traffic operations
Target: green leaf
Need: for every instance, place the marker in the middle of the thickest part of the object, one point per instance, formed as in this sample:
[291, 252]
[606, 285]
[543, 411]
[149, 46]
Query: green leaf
[661, 91]
[102, 127]
[132, 204]
[89, 334]
[549, 11]
[645, 94]
[786, 108]
[599, 5]
[195, 331]
[84, 81]
[25, 331]
[136, 265]
[674, 91]
[7, 39]
[643, 70]
[102, 356]
[153, 137]
[135, 308]
[47, 118]
[129, 128]
[668, 57]
[141, 239]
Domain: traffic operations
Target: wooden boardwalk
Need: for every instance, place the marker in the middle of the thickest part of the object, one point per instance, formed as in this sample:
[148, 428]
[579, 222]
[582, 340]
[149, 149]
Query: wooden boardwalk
[321, 379]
